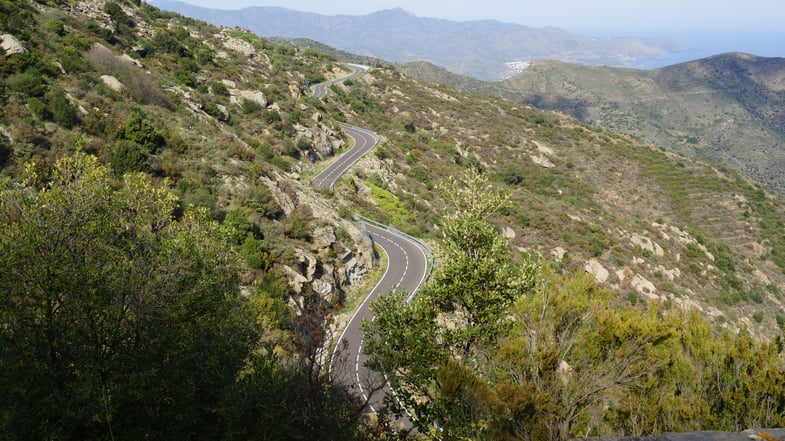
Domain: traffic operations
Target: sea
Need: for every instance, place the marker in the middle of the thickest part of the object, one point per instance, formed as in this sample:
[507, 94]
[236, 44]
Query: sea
[693, 45]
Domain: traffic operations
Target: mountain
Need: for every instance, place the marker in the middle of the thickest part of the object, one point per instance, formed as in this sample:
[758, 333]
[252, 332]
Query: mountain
[169, 272]
[726, 109]
[484, 49]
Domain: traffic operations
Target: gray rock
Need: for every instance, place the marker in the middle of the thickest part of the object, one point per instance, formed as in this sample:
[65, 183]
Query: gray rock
[11, 45]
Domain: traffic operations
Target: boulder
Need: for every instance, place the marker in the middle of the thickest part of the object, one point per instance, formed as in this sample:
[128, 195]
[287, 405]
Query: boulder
[236, 96]
[542, 161]
[11, 45]
[112, 83]
[596, 269]
[644, 287]
[647, 244]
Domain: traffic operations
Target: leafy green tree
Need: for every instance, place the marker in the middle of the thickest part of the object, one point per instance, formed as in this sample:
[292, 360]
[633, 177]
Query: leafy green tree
[117, 319]
[434, 345]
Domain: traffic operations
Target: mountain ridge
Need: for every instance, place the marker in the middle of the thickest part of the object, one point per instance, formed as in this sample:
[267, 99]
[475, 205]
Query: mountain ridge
[454, 45]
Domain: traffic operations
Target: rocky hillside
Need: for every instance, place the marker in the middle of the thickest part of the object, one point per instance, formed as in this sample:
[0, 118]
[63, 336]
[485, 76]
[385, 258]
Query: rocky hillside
[220, 116]
[726, 109]
[215, 133]
[223, 117]
[652, 225]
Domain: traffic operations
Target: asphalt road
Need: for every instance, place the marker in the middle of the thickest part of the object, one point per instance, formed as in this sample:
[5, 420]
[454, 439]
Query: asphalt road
[408, 266]
[320, 90]
[364, 142]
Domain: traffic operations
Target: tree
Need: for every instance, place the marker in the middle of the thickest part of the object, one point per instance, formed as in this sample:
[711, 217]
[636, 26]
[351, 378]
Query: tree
[433, 347]
[115, 317]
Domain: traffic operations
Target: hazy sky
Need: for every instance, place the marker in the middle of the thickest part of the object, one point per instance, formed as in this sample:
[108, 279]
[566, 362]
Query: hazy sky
[573, 15]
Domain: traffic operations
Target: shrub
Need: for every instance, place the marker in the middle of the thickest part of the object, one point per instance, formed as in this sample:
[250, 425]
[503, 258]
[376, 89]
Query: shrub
[63, 113]
[219, 88]
[73, 61]
[38, 108]
[6, 151]
[30, 83]
[297, 223]
[56, 27]
[136, 81]
[512, 174]
[139, 130]
[128, 156]
[251, 107]
[212, 109]
[185, 78]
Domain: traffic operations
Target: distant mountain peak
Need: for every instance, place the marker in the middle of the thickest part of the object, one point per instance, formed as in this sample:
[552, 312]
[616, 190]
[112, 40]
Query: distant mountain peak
[480, 49]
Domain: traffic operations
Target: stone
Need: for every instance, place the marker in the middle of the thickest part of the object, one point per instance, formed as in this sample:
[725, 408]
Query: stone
[596, 269]
[508, 233]
[11, 45]
[545, 150]
[236, 96]
[323, 237]
[558, 253]
[354, 270]
[647, 244]
[112, 83]
[129, 59]
[542, 161]
[644, 287]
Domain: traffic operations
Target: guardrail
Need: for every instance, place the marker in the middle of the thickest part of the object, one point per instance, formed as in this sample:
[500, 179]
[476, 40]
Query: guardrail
[420, 243]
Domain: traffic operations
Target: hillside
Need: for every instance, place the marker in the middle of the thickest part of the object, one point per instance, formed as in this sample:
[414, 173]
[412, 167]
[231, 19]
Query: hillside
[170, 273]
[484, 49]
[585, 196]
[726, 109]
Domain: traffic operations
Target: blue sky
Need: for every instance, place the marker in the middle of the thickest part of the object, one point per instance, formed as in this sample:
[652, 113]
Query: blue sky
[581, 15]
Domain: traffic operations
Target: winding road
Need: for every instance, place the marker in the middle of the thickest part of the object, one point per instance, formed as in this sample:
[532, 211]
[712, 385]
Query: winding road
[409, 264]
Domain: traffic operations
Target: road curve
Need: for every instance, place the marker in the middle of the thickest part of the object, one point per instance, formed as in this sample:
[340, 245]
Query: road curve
[364, 142]
[407, 269]
[320, 90]
[409, 264]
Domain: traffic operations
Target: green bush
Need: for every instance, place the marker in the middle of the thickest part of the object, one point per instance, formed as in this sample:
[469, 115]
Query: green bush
[63, 113]
[73, 61]
[139, 130]
[251, 107]
[219, 88]
[212, 109]
[512, 174]
[29, 83]
[6, 151]
[56, 27]
[129, 156]
[38, 108]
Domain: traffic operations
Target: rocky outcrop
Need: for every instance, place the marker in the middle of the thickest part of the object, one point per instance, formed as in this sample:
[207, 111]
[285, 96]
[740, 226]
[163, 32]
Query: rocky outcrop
[236, 96]
[595, 268]
[11, 45]
[647, 244]
[328, 264]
